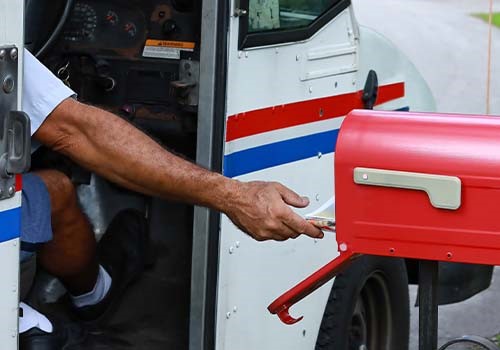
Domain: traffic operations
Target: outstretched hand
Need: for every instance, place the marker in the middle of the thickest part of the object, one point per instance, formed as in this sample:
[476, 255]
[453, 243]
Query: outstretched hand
[262, 210]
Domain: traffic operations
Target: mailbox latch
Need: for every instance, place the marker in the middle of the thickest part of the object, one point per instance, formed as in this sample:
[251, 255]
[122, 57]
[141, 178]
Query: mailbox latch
[445, 192]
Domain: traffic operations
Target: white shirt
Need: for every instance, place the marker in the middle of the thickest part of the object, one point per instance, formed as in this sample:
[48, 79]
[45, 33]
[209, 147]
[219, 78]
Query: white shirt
[42, 93]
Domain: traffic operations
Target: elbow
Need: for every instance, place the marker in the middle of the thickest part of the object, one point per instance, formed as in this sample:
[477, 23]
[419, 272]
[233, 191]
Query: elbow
[65, 143]
[63, 130]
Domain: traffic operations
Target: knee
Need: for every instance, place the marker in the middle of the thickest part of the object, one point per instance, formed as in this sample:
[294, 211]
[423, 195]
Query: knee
[65, 196]
[61, 190]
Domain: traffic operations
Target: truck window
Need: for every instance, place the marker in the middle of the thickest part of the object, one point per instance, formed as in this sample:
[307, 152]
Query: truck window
[264, 15]
[278, 21]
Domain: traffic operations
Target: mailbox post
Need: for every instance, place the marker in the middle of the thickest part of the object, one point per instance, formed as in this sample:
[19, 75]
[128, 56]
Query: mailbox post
[428, 305]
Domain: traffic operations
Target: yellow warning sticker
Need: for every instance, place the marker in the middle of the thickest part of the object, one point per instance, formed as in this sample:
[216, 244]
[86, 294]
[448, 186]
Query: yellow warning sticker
[166, 49]
[186, 45]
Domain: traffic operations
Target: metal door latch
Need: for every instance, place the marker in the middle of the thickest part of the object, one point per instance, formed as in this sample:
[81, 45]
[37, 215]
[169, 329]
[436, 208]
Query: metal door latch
[239, 11]
[15, 130]
[370, 92]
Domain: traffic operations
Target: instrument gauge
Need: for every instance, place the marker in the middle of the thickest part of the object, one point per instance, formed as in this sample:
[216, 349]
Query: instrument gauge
[131, 29]
[82, 24]
[112, 18]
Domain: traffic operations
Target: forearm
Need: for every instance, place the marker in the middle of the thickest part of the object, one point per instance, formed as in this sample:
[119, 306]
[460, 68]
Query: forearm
[114, 149]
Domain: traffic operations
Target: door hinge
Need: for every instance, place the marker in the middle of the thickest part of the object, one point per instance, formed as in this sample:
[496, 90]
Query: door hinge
[15, 130]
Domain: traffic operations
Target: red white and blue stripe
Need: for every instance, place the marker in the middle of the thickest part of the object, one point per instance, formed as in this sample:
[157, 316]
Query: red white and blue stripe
[10, 215]
[278, 135]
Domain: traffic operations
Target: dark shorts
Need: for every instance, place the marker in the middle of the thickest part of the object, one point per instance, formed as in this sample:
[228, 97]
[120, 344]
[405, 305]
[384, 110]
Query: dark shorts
[36, 227]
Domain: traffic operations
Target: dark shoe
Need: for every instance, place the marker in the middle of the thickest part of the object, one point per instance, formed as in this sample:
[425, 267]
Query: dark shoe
[72, 336]
[122, 253]
[64, 336]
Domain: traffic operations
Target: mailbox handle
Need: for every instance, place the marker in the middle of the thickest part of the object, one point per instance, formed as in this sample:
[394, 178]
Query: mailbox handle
[445, 192]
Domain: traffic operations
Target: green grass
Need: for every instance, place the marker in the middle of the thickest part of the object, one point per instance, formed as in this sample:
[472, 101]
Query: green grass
[496, 339]
[485, 17]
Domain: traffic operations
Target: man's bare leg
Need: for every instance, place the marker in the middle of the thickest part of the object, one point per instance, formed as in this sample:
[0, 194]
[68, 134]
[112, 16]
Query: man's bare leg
[71, 255]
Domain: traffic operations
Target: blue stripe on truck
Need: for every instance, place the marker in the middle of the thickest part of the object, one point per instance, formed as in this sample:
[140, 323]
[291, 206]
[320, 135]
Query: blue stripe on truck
[279, 153]
[10, 224]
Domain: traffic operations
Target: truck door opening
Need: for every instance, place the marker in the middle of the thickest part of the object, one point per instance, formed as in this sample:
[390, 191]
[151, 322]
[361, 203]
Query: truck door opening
[140, 60]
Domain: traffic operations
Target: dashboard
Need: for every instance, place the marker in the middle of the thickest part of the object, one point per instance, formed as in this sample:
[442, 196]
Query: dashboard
[124, 28]
[106, 26]
[136, 58]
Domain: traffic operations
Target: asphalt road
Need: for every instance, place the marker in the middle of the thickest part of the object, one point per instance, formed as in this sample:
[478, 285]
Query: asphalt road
[449, 47]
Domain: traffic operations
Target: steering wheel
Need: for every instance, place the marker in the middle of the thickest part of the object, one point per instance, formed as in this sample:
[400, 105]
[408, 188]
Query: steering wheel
[34, 25]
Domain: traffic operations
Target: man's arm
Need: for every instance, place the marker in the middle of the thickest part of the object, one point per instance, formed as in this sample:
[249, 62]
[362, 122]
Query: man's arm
[114, 149]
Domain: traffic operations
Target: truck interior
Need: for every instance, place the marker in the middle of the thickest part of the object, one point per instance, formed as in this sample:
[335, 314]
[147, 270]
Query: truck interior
[98, 48]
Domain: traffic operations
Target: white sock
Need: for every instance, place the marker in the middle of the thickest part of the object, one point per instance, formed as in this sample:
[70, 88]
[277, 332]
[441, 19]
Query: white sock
[101, 289]
[33, 319]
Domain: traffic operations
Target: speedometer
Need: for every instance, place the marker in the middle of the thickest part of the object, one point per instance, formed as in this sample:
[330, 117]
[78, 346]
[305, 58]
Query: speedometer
[82, 24]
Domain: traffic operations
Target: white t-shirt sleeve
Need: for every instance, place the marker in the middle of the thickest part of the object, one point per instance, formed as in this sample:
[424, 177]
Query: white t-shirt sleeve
[43, 91]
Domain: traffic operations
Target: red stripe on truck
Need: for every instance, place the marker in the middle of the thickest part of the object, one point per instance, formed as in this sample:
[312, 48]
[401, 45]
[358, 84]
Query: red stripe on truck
[298, 113]
[19, 183]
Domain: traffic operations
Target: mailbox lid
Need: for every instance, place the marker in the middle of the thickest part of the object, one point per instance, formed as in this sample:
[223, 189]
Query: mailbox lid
[386, 220]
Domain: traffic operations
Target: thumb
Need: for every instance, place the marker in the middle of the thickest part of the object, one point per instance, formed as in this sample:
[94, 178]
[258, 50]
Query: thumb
[292, 198]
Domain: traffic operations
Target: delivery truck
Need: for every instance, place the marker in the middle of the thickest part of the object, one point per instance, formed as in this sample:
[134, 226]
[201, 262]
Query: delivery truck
[254, 89]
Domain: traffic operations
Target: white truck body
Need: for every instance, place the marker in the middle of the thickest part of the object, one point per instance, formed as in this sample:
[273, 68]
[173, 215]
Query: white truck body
[11, 34]
[331, 64]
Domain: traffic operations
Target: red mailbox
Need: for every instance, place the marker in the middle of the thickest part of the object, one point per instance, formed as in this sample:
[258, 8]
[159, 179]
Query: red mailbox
[423, 186]
[410, 185]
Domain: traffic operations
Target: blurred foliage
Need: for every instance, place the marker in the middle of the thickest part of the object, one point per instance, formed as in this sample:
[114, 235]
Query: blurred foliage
[496, 339]
[311, 6]
[486, 17]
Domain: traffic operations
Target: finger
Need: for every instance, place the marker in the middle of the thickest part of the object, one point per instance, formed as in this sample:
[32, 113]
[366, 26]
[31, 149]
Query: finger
[271, 237]
[291, 232]
[300, 225]
[280, 239]
[276, 231]
[292, 198]
[284, 233]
